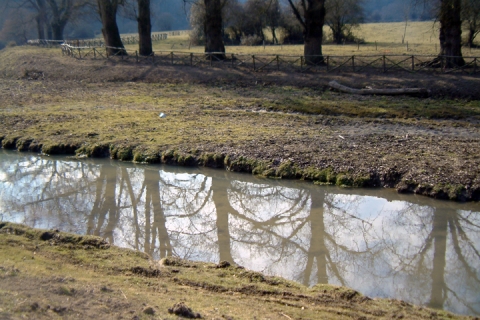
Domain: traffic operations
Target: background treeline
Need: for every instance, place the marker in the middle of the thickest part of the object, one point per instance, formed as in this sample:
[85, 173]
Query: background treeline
[247, 22]
[253, 22]
[18, 18]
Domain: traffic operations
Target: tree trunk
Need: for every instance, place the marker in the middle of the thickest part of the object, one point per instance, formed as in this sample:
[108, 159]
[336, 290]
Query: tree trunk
[57, 30]
[49, 32]
[41, 18]
[144, 28]
[213, 28]
[274, 36]
[312, 19]
[313, 33]
[40, 27]
[111, 35]
[451, 33]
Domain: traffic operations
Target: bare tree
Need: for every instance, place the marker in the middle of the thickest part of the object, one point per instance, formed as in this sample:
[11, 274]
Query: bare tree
[206, 20]
[108, 14]
[61, 13]
[139, 11]
[311, 15]
[213, 27]
[342, 16]
[451, 32]
[471, 20]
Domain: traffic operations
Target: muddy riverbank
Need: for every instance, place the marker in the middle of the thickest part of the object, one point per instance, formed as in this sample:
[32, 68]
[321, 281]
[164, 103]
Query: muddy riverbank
[275, 125]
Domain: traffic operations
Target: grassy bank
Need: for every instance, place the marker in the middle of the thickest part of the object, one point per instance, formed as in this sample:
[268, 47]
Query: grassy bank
[47, 274]
[277, 125]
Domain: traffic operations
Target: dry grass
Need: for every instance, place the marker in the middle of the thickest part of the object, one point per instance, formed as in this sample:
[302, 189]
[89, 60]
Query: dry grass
[380, 38]
[55, 275]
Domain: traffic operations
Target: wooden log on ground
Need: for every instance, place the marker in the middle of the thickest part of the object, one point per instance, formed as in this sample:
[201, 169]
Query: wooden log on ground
[408, 91]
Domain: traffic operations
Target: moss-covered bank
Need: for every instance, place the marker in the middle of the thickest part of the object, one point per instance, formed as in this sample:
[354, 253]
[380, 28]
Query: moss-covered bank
[277, 125]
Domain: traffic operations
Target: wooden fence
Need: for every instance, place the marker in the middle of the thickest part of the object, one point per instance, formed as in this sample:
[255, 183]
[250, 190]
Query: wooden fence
[98, 42]
[259, 63]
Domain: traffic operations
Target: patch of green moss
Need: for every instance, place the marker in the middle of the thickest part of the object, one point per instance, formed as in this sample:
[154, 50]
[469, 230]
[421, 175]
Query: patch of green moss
[240, 164]
[362, 181]
[52, 148]
[344, 180]
[212, 160]
[9, 143]
[95, 150]
[121, 152]
[23, 144]
[456, 192]
[269, 173]
[261, 168]
[185, 159]
[287, 170]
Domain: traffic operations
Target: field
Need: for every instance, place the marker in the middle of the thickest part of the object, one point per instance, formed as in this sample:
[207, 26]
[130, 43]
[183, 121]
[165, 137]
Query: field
[380, 38]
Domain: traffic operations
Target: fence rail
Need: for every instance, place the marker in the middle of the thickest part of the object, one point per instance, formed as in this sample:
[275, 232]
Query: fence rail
[98, 42]
[265, 63]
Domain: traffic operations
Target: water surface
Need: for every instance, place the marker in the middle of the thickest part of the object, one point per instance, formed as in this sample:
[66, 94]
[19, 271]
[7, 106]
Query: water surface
[376, 241]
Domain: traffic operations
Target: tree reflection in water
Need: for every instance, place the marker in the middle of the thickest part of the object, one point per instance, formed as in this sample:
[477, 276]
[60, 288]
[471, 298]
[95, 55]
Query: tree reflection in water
[410, 248]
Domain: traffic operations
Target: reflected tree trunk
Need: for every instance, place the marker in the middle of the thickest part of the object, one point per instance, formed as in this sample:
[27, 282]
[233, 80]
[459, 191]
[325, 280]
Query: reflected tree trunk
[220, 198]
[439, 233]
[317, 249]
[156, 229]
[104, 205]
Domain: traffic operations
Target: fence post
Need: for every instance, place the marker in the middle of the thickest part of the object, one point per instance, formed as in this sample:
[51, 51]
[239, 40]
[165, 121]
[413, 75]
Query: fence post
[171, 57]
[253, 58]
[191, 59]
[79, 53]
[384, 64]
[328, 63]
[136, 55]
[413, 63]
[301, 63]
[353, 63]
[278, 63]
[474, 65]
[94, 53]
[211, 58]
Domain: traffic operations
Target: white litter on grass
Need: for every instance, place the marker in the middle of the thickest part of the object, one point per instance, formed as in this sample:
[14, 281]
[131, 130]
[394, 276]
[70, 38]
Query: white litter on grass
[162, 115]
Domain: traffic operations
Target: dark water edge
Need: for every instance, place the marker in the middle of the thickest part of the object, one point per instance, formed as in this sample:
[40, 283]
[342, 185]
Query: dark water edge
[376, 241]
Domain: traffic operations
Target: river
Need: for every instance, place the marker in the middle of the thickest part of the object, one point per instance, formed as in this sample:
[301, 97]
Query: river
[376, 241]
